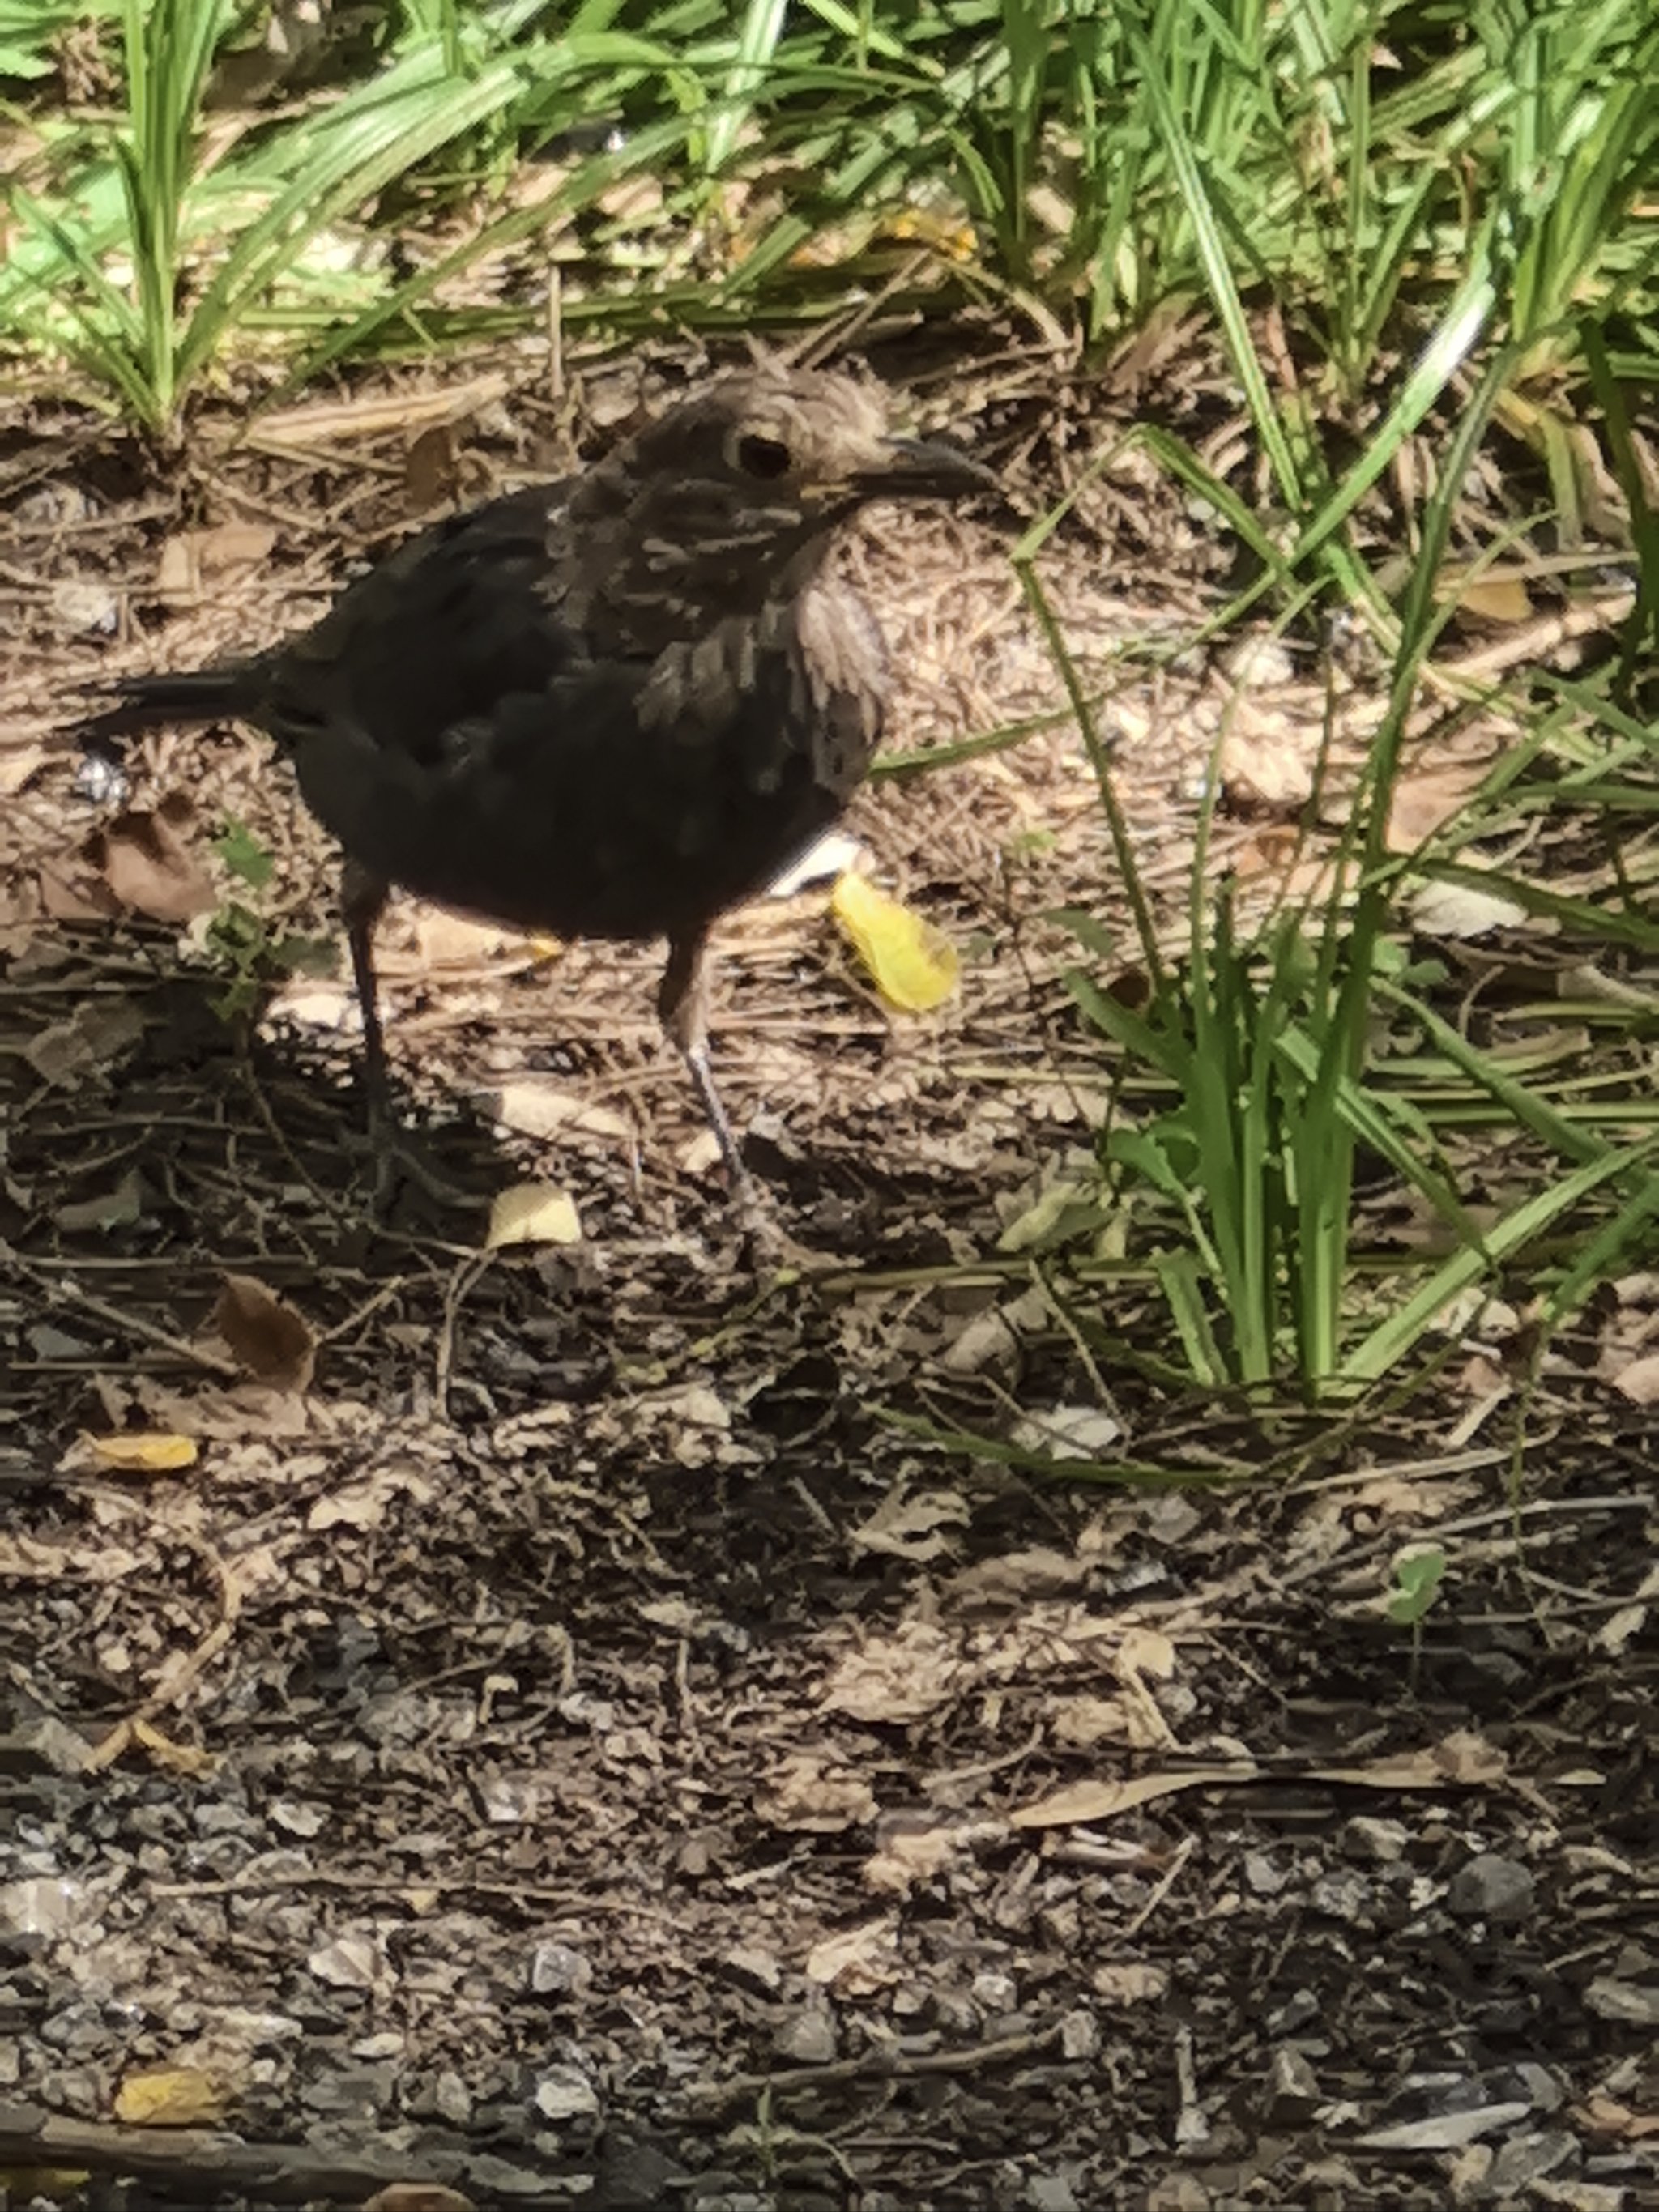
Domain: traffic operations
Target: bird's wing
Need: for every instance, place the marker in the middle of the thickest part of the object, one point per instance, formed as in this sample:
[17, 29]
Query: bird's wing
[457, 618]
[614, 799]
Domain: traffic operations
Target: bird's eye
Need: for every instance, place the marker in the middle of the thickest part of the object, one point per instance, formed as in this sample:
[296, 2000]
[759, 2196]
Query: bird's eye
[768, 458]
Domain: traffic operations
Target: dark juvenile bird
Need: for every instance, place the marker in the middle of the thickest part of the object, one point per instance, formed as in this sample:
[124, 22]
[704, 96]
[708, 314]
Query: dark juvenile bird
[615, 706]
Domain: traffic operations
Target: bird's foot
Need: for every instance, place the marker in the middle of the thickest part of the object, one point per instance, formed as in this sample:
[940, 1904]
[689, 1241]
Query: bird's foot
[768, 1247]
[400, 1160]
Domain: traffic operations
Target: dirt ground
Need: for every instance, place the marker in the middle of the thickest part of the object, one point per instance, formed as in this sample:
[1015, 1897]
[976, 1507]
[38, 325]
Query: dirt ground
[573, 1735]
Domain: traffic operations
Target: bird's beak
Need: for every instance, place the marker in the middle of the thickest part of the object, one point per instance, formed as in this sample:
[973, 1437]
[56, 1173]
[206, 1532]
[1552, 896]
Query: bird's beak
[923, 468]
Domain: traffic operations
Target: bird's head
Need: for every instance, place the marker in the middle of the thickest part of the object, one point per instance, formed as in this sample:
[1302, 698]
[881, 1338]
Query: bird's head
[730, 499]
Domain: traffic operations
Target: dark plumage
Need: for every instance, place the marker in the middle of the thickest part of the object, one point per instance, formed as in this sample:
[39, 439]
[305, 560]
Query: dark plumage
[615, 706]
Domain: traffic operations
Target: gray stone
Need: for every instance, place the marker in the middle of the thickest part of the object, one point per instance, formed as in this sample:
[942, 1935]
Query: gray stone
[1491, 1887]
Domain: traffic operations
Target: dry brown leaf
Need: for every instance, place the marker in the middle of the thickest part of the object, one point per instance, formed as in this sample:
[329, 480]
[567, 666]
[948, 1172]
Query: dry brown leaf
[19, 761]
[1080, 1722]
[858, 1961]
[362, 1504]
[1639, 1380]
[147, 865]
[26, 1556]
[191, 557]
[1130, 1982]
[908, 1858]
[418, 2196]
[540, 1106]
[1267, 763]
[910, 1525]
[146, 1453]
[1080, 1801]
[432, 473]
[1144, 1652]
[1014, 1578]
[805, 1794]
[1605, 2116]
[901, 1677]
[171, 2097]
[1464, 910]
[1422, 801]
[268, 1336]
[443, 939]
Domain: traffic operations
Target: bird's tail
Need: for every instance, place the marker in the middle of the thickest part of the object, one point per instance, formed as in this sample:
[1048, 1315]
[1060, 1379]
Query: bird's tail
[149, 703]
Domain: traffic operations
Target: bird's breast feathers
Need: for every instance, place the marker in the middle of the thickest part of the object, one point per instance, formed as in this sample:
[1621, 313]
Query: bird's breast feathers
[817, 663]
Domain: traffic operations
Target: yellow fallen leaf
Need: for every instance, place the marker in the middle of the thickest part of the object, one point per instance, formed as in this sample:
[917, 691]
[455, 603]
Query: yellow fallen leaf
[171, 2097]
[914, 965]
[1497, 595]
[533, 1213]
[150, 1453]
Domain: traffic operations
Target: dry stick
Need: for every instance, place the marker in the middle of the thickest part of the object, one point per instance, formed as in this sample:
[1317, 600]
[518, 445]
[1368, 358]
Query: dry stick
[371, 1885]
[289, 2173]
[462, 1279]
[177, 1679]
[710, 2099]
[132, 1324]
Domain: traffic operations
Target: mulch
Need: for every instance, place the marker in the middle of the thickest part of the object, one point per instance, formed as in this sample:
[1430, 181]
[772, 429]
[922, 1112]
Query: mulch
[588, 1741]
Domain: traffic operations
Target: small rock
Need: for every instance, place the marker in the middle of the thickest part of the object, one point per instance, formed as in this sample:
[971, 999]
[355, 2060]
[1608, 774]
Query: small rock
[1544, 2090]
[1467, 2171]
[510, 1800]
[1292, 2086]
[807, 2037]
[1343, 1896]
[1262, 1876]
[223, 1820]
[354, 2093]
[35, 1913]
[296, 1817]
[1526, 2159]
[993, 1991]
[1178, 2193]
[1299, 2010]
[350, 1962]
[1050, 2192]
[387, 2044]
[753, 1969]
[1491, 1887]
[558, 1970]
[565, 2092]
[1636, 2003]
[79, 605]
[1080, 2034]
[1374, 1841]
[453, 2099]
[42, 1746]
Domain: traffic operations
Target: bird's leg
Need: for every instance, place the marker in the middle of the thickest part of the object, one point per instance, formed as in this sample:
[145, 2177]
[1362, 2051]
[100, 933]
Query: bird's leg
[682, 1008]
[397, 1155]
[363, 900]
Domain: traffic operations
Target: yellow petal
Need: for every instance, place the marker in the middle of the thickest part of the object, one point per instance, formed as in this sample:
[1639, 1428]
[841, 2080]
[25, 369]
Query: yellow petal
[914, 965]
[533, 1213]
[153, 1454]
